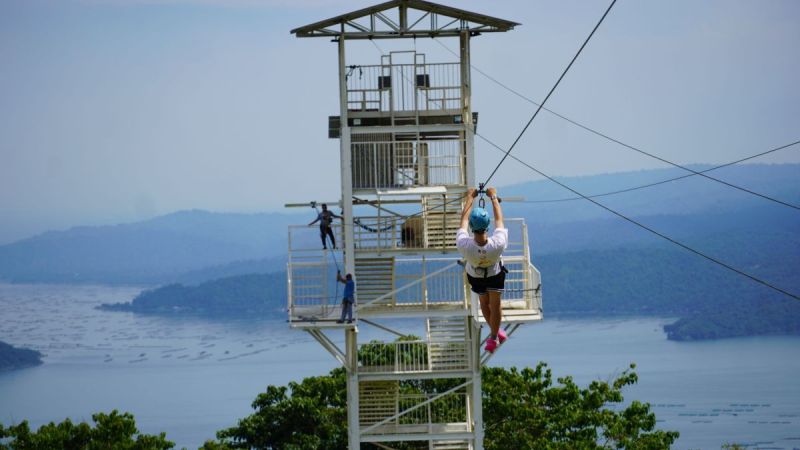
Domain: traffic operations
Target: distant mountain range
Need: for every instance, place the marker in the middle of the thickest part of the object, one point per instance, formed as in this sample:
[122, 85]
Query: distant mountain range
[666, 282]
[195, 246]
[593, 263]
[176, 247]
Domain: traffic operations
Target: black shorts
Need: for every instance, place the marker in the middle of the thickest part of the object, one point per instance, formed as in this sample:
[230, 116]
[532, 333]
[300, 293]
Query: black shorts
[494, 283]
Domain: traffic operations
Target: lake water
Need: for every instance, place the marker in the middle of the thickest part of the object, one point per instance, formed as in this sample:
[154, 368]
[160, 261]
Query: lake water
[191, 377]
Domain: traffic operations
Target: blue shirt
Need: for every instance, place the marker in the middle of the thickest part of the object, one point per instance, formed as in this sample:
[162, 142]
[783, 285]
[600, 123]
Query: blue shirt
[349, 290]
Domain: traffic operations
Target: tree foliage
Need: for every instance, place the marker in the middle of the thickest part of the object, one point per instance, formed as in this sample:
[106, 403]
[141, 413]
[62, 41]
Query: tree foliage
[524, 409]
[311, 414]
[521, 409]
[111, 431]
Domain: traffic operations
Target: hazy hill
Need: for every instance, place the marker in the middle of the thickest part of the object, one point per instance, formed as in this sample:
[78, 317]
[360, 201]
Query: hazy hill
[194, 246]
[686, 196]
[252, 295]
[659, 281]
[160, 250]
[12, 358]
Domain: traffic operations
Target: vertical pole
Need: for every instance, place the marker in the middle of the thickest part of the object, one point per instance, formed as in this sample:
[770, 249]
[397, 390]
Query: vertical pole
[289, 277]
[346, 162]
[476, 389]
[466, 109]
[353, 432]
[349, 260]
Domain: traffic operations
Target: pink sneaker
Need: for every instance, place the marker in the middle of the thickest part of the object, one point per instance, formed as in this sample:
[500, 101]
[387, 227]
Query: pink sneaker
[501, 336]
[491, 345]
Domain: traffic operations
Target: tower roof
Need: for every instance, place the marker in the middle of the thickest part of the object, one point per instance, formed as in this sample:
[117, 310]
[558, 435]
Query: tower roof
[404, 19]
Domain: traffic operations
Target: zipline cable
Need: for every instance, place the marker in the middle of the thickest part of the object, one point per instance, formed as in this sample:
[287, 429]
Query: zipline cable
[665, 181]
[486, 183]
[626, 145]
[645, 227]
[621, 191]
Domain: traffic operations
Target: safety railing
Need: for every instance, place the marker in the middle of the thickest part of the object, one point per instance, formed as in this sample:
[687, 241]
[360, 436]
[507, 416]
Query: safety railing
[306, 241]
[404, 87]
[448, 410]
[382, 164]
[408, 357]
[313, 292]
[384, 233]
[535, 283]
[400, 233]
[420, 284]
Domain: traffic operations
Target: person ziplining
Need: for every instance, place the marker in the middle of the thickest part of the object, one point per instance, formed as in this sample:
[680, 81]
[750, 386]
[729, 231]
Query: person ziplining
[325, 219]
[484, 265]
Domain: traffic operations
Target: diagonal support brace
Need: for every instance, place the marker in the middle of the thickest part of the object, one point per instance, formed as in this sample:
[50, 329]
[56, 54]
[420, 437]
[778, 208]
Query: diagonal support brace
[329, 345]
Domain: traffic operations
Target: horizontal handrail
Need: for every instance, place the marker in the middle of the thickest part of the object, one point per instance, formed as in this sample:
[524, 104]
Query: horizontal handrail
[405, 87]
[429, 398]
[417, 356]
[408, 285]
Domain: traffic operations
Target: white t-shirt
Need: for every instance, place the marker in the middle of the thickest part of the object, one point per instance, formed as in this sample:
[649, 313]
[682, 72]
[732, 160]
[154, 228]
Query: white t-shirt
[482, 261]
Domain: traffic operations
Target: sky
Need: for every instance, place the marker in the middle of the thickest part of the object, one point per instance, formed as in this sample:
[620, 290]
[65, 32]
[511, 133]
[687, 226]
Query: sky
[115, 111]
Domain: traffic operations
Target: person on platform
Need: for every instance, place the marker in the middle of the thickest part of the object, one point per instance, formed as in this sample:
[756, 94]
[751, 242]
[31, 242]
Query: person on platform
[483, 263]
[325, 219]
[348, 298]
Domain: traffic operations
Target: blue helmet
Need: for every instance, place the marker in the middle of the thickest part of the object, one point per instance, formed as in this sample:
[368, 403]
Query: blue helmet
[479, 220]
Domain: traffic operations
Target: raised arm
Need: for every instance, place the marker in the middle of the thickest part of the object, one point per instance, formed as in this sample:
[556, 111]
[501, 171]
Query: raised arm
[498, 210]
[471, 194]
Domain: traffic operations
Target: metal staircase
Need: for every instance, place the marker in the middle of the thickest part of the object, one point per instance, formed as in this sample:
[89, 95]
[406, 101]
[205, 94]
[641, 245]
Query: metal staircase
[442, 217]
[448, 344]
[375, 279]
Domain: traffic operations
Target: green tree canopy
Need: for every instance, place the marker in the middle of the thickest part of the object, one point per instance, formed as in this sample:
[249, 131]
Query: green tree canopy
[521, 409]
[111, 431]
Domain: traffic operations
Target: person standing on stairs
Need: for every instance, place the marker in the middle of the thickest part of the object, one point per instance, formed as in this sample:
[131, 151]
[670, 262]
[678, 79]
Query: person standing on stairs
[482, 254]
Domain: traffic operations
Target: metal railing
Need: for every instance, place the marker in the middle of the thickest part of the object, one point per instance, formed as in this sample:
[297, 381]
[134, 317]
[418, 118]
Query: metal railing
[313, 292]
[416, 356]
[449, 409]
[404, 87]
[422, 283]
[382, 164]
[399, 233]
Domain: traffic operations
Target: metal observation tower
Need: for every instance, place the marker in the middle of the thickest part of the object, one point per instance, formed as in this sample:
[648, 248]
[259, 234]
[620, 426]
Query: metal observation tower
[405, 128]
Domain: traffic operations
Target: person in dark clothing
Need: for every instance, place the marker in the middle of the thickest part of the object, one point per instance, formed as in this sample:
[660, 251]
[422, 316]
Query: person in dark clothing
[325, 219]
[348, 298]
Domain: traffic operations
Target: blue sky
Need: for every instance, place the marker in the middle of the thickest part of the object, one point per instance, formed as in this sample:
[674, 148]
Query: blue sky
[119, 110]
